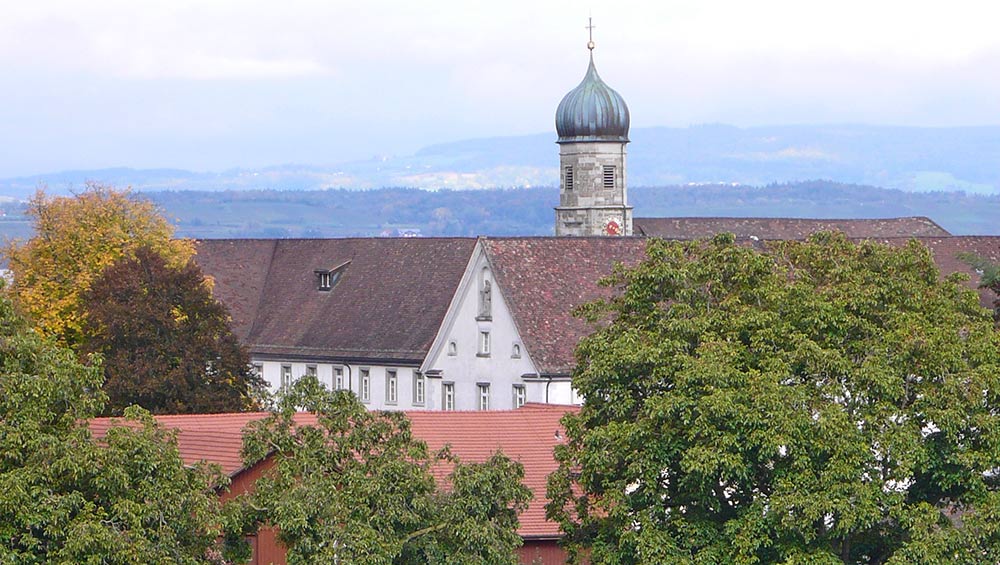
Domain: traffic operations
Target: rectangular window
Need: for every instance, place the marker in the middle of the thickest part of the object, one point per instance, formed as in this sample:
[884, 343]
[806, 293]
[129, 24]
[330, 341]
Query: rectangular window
[448, 391]
[609, 176]
[390, 386]
[286, 376]
[419, 388]
[310, 370]
[484, 396]
[519, 396]
[484, 344]
[568, 175]
[338, 378]
[257, 369]
[366, 385]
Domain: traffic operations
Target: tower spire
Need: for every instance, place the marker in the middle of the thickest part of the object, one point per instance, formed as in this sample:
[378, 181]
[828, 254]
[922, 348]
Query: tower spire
[590, 31]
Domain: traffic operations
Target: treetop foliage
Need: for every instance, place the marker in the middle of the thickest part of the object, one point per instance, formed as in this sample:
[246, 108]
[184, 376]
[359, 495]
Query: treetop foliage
[165, 341]
[819, 401]
[75, 239]
[65, 498]
[357, 487]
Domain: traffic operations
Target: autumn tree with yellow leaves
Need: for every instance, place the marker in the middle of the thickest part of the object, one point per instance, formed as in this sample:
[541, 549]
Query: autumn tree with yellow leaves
[76, 239]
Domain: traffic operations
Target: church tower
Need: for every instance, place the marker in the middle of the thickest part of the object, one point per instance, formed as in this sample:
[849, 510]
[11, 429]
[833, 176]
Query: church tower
[592, 122]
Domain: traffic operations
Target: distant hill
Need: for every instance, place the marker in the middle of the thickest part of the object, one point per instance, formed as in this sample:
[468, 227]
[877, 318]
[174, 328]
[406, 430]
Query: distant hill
[527, 211]
[905, 158]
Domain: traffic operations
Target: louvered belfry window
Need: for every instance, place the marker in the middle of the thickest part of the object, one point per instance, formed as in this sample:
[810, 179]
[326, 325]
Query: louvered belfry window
[569, 178]
[609, 176]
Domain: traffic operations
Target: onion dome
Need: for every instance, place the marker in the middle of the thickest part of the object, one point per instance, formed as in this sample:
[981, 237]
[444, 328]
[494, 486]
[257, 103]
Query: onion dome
[592, 111]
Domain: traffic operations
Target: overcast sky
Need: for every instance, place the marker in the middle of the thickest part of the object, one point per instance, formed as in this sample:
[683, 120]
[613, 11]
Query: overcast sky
[214, 84]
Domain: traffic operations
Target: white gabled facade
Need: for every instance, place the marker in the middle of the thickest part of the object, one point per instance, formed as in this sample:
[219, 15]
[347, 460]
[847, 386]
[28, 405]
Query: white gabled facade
[478, 358]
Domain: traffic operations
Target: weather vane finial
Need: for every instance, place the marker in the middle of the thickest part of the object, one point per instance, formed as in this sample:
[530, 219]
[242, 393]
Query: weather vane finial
[590, 30]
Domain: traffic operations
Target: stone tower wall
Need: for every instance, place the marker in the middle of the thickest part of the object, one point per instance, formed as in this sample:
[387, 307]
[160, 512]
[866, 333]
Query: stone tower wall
[588, 207]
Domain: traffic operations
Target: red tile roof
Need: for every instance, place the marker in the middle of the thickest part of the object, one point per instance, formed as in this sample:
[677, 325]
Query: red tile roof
[388, 305]
[785, 228]
[528, 435]
[543, 278]
[948, 252]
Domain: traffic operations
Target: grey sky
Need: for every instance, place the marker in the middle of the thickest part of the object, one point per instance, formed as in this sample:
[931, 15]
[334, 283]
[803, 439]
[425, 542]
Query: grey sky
[213, 84]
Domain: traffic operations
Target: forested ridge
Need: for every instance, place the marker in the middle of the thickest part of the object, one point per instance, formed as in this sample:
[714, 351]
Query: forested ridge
[528, 211]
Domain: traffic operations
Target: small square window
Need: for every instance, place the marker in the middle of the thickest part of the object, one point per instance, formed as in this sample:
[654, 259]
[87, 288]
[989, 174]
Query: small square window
[310, 370]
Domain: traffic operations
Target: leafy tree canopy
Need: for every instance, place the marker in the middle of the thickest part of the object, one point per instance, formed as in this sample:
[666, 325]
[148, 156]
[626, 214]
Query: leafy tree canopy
[357, 487]
[820, 402]
[166, 342]
[65, 498]
[75, 239]
[990, 277]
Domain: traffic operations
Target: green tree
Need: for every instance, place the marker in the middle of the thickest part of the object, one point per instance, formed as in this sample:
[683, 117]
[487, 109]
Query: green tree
[66, 498]
[356, 487]
[166, 342]
[75, 239]
[820, 402]
[989, 278]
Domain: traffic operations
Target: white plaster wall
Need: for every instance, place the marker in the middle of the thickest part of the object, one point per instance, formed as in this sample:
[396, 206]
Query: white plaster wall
[352, 380]
[466, 368]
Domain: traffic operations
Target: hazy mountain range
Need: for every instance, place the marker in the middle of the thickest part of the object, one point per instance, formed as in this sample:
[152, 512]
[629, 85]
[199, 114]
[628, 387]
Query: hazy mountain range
[905, 158]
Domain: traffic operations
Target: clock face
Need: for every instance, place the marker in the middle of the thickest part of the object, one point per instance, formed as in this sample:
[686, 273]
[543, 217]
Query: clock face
[612, 227]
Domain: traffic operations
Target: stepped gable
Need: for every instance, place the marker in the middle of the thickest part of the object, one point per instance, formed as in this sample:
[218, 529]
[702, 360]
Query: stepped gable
[544, 278]
[387, 300]
[239, 269]
[527, 435]
[786, 228]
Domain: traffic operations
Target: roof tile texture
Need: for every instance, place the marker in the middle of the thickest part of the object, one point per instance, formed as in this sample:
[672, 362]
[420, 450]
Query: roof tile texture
[785, 228]
[527, 435]
[388, 304]
[543, 279]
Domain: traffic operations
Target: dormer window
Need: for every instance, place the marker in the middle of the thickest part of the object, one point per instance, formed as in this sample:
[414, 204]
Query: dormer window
[324, 280]
[328, 278]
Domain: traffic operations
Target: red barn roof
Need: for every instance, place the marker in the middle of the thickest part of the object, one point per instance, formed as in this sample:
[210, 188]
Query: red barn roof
[527, 435]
